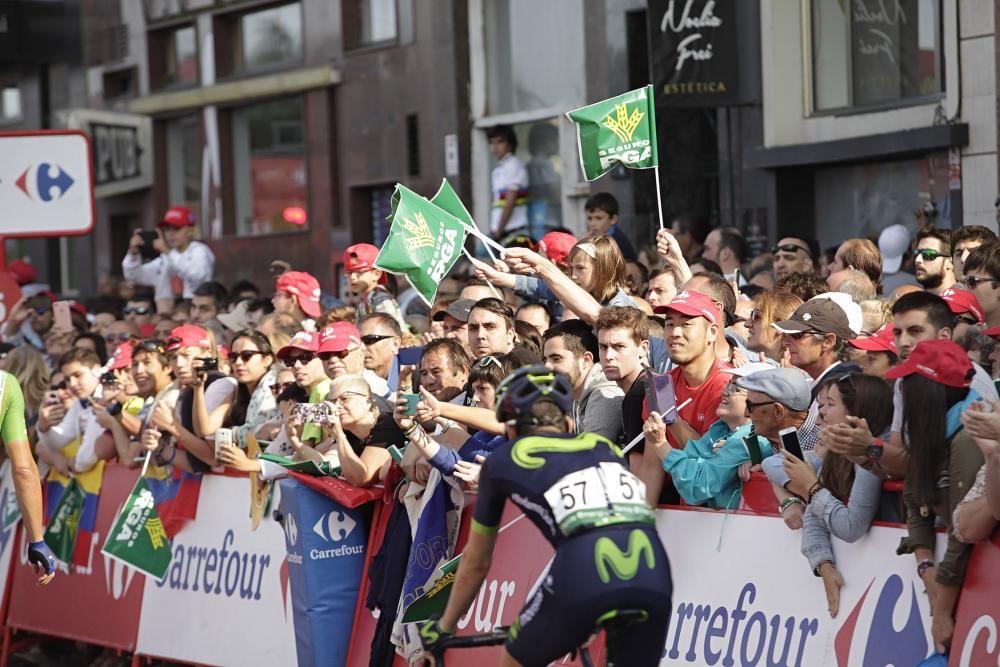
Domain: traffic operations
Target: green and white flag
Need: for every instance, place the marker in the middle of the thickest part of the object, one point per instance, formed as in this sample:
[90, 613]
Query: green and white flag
[433, 602]
[137, 537]
[62, 530]
[323, 469]
[618, 130]
[424, 242]
[447, 199]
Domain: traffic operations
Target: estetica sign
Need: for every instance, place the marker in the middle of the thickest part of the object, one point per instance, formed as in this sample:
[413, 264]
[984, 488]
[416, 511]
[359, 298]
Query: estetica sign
[694, 49]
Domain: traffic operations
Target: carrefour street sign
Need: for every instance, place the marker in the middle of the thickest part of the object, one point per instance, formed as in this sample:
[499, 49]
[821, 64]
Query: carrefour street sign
[46, 183]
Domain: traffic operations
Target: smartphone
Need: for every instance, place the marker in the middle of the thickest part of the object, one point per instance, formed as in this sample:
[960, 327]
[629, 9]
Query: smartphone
[753, 449]
[312, 413]
[146, 250]
[660, 396]
[410, 356]
[51, 398]
[61, 318]
[108, 379]
[223, 436]
[411, 403]
[790, 442]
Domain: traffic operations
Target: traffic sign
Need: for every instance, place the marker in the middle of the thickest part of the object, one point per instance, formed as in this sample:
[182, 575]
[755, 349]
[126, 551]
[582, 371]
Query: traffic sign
[46, 183]
[10, 294]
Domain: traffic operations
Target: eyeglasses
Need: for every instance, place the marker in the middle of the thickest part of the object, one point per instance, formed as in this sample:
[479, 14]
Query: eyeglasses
[371, 339]
[245, 356]
[58, 387]
[136, 310]
[327, 356]
[303, 358]
[789, 247]
[974, 281]
[483, 362]
[279, 387]
[111, 339]
[732, 390]
[753, 406]
[927, 254]
[755, 316]
[347, 394]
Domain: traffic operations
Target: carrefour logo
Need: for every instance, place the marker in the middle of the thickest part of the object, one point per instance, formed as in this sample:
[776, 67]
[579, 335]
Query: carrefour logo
[335, 527]
[44, 181]
[291, 530]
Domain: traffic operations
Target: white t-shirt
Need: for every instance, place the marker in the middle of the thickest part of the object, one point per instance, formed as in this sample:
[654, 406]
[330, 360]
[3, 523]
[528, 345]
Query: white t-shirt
[194, 266]
[981, 384]
[509, 174]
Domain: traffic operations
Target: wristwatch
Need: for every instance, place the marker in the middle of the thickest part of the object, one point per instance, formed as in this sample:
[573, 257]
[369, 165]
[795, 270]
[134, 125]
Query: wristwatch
[923, 566]
[115, 408]
[875, 449]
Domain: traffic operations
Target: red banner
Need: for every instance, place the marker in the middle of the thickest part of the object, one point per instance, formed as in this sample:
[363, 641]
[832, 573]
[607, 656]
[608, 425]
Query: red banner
[977, 617]
[97, 603]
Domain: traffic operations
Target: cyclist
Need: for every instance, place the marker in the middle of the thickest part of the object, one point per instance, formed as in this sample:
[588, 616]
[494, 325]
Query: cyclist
[578, 491]
[27, 486]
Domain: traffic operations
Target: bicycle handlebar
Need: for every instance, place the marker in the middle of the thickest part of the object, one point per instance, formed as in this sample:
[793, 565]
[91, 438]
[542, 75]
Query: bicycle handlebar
[495, 638]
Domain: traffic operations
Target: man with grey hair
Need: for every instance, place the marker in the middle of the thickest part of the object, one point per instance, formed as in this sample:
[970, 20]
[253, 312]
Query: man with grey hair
[853, 283]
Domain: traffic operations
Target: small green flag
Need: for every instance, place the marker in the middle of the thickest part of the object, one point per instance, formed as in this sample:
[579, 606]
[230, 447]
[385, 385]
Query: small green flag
[61, 532]
[618, 130]
[446, 198]
[306, 467]
[424, 242]
[434, 601]
[137, 537]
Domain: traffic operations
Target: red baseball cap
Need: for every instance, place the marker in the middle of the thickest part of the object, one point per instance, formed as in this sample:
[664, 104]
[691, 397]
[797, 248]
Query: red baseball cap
[188, 335]
[360, 257]
[178, 216]
[942, 361]
[307, 341]
[556, 246]
[992, 331]
[338, 336]
[962, 301]
[22, 272]
[122, 357]
[304, 287]
[881, 341]
[693, 304]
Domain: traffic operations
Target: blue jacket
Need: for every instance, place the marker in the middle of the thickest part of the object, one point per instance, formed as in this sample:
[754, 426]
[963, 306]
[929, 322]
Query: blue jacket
[706, 477]
[481, 443]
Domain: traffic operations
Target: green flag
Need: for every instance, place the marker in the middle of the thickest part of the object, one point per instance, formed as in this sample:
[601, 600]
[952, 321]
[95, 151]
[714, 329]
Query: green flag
[137, 537]
[61, 532]
[424, 242]
[619, 130]
[447, 199]
[307, 467]
[434, 600]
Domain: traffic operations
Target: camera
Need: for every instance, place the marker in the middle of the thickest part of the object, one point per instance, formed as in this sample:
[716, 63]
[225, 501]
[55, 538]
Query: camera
[312, 413]
[108, 378]
[206, 364]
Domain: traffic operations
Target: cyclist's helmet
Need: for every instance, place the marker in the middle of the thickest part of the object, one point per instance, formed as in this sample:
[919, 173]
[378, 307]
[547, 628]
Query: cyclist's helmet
[526, 386]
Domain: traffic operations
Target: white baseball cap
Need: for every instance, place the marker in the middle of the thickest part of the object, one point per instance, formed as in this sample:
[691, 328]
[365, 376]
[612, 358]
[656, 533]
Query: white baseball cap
[893, 243]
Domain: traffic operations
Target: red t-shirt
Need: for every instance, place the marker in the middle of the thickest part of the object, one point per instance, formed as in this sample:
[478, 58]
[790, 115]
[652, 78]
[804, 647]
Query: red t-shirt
[705, 398]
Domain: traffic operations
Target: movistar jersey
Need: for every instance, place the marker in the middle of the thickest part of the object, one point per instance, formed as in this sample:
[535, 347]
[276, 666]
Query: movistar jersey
[12, 426]
[566, 485]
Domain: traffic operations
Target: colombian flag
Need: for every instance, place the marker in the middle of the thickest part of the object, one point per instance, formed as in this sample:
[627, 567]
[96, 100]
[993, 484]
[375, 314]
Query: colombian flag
[90, 482]
[176, 495]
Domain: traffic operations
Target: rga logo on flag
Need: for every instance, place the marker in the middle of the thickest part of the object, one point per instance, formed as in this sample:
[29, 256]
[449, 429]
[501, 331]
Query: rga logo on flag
[138, 518]
[618, 130]
[421, 237]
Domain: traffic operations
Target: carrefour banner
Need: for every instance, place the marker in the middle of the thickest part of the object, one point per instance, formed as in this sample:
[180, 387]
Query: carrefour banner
[755, 601]
[326, 546]
[224, 598]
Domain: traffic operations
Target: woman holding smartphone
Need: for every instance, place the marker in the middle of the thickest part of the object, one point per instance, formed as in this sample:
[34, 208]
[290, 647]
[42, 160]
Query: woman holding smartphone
[252, 362]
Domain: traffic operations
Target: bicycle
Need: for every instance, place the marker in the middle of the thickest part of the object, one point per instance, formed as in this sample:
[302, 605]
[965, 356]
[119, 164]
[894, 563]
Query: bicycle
[613, 623]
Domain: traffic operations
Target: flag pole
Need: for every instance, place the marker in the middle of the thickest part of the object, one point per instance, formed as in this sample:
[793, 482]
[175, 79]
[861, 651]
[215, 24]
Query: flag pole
[472, 259]
[487, 241]
[659, 197]
[145, 464]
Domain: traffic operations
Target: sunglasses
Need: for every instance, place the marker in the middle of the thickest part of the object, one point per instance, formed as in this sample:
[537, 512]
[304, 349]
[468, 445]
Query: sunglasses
[245, 356]
[799, 335]
[327, 356]
[303, 358]
[371, 339]
[928, 255]
[156, 346]
[788, 247]
[279, 387]
[974, 281]
[136, 310]
[41, 310]
[753, 406]
[118, 338]
[487, 360]
[755, 316]
[58, 387]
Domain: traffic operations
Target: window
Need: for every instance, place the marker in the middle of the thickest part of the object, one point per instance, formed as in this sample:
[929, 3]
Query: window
[269, 161]
[875, 52]
[529, 64]
[181, 57]
[10, 103]
[368, 22]
[184, 161]
[271, 36]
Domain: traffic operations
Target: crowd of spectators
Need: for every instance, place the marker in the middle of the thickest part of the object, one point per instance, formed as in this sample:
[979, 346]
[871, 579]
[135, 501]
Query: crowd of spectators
[829, 373]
